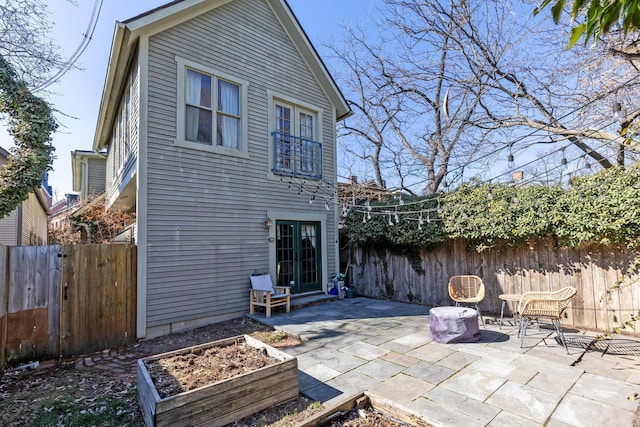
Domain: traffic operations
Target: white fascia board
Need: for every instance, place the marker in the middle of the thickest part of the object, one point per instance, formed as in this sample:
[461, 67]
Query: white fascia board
[170, 16]
[119, 47]
[302, 43]
[125, 40]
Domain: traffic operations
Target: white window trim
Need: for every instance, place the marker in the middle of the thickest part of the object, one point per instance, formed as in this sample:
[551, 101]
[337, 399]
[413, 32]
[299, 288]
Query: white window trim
[297, 105]
[84, 178]
[180, 140]
[323, 219]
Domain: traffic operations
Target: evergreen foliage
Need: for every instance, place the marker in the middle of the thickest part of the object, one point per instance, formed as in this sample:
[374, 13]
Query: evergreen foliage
[601, 208]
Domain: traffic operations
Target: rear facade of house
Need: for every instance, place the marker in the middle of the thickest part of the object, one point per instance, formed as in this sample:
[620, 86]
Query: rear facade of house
[219, 121]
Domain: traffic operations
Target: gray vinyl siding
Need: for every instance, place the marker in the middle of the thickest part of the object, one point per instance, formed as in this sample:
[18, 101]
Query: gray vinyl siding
[205, 210]
[96, 180]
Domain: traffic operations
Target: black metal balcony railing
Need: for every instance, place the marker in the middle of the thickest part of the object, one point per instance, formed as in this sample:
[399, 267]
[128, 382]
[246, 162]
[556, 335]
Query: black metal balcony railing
[296, 156]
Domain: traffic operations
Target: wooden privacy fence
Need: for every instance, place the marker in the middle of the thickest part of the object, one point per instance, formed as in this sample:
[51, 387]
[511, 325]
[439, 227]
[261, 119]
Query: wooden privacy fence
[422, 277]
[60, 301]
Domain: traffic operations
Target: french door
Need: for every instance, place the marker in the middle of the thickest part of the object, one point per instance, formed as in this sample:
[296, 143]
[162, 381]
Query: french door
[298, 255]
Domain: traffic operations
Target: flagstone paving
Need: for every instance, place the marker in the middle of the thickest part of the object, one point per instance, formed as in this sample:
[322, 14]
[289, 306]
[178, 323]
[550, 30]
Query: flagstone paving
[384, 348]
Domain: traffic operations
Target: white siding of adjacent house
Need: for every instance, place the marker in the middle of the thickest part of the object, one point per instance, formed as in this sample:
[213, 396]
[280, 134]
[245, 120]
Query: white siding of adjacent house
[9, 229]
[34, 222]
[205, 210]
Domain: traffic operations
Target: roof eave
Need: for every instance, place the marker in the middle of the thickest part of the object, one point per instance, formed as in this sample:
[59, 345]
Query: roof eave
[300, 38]
[121, 48]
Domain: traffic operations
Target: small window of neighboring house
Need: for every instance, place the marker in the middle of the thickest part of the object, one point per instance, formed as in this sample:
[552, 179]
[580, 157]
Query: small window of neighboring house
[211, 110]
[296, 148]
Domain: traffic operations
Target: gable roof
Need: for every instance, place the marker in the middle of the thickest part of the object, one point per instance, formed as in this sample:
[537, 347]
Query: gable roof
[127, 34]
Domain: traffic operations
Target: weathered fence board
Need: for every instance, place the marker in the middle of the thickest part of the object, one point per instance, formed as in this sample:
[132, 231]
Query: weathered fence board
[537, 266]
[29, 294]
[65, 300]
[99, 297]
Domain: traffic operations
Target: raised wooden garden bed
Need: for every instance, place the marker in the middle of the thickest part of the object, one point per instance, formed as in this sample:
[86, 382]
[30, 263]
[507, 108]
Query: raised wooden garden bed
[222, 402]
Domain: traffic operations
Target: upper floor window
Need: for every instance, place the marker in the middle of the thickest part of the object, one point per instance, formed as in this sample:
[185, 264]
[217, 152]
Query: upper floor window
[211, 109]
[296, 150]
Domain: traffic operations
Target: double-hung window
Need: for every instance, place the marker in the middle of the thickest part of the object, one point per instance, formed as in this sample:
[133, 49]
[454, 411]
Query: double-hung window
[211, 109]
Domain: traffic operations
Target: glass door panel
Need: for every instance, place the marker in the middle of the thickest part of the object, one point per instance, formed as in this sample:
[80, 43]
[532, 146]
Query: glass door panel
[298, 255]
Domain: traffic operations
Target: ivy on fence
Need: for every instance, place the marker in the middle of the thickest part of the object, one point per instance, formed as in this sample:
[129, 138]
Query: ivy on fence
[603, 208]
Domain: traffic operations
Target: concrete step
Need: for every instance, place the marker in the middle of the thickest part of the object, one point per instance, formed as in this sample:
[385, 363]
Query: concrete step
[310, 298]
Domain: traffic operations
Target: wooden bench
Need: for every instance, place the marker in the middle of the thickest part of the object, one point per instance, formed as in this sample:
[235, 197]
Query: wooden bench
[264, 294]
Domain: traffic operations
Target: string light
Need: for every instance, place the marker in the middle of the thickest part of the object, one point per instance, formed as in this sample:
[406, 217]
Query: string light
[313, 188]
[510, 160]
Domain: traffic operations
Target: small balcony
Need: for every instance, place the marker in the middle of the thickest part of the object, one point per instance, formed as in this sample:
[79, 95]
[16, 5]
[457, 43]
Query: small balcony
[296, 156]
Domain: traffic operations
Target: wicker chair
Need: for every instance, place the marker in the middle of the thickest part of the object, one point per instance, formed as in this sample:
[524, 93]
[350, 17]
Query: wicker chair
[467, 290]
[545, 305]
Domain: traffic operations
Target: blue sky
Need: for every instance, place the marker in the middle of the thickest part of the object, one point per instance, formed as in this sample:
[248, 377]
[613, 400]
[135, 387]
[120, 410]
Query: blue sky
[77, 94]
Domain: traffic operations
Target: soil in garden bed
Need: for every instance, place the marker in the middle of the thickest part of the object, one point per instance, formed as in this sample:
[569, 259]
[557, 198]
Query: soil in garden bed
[183, 372]
[291, 413]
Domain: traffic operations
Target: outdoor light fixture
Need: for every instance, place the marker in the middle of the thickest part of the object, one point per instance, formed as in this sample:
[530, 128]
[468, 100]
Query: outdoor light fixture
[267, 223]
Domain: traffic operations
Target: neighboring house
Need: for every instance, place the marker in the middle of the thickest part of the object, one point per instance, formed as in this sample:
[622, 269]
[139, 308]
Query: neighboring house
[27, 224]
[355, 193]
[210, 109]
[89, 172]
[60, 216]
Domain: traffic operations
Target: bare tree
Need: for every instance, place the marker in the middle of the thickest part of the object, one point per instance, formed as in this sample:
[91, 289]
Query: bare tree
[25, 42]
[415, 102]
[448, 82]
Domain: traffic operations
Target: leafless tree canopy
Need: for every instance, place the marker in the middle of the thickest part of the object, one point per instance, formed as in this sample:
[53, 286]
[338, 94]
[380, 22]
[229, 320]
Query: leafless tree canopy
[445, 85]
[25, 42]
